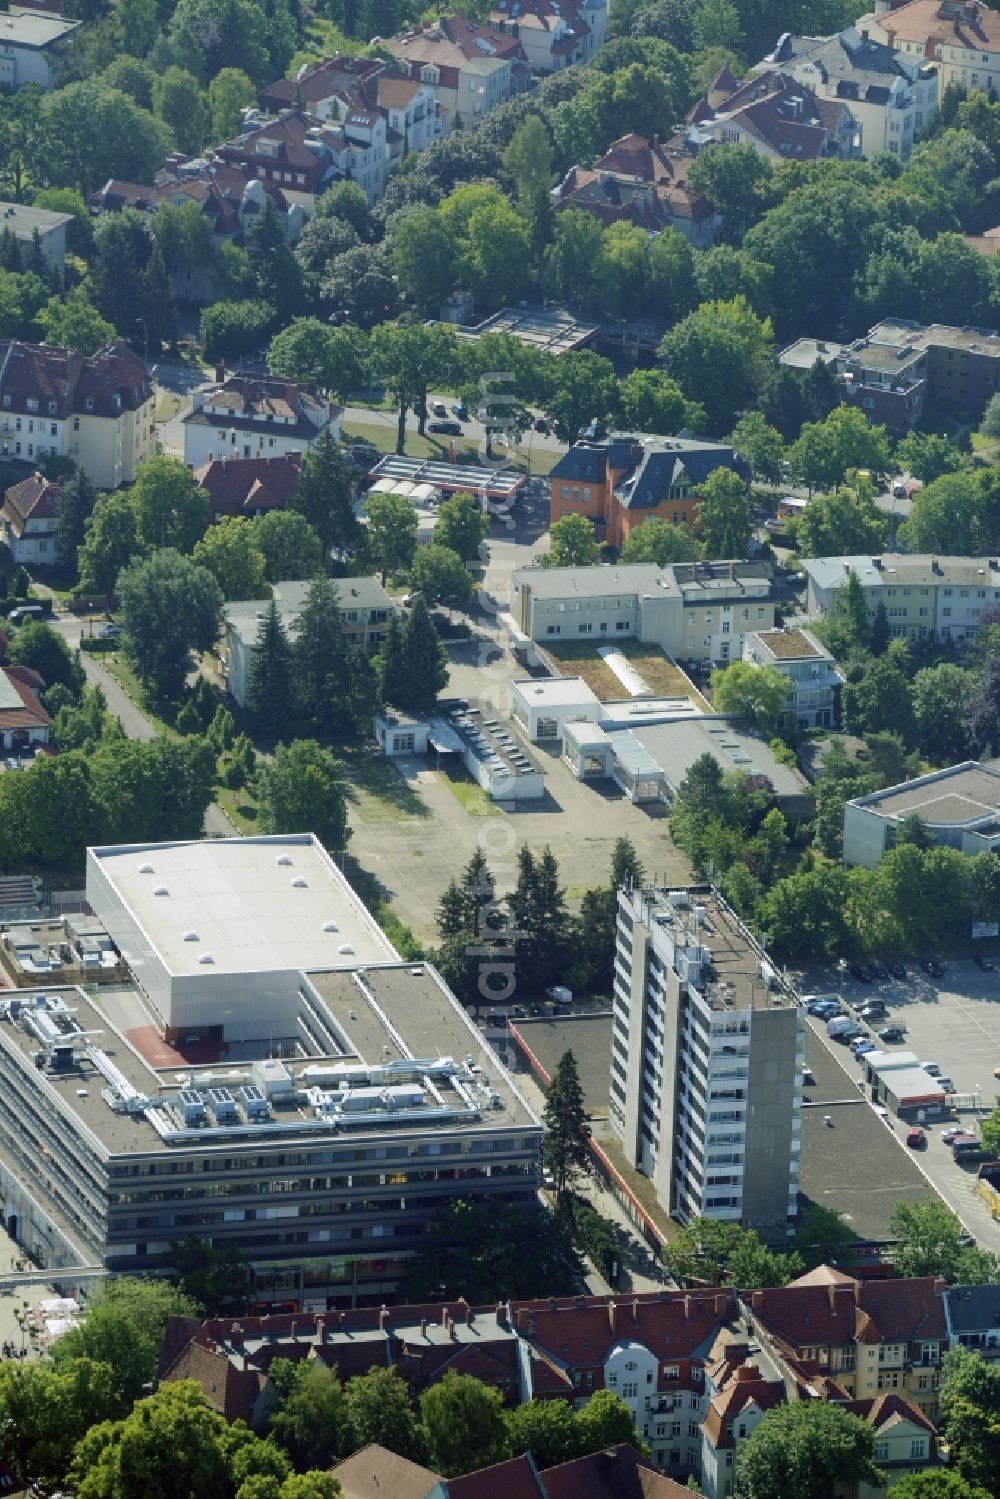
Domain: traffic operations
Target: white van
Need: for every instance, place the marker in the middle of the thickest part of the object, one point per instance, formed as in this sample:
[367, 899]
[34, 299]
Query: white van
[25, 611]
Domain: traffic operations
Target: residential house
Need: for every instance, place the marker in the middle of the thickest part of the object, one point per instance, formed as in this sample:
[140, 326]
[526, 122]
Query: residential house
[96, 408]
[973, 1317]
[622, 481]
[23, 720]
[336, 87]
[365, 611]
[987, 243]
[553, 33]
[642, 182]
[776, 115]
[231, 1387]
[923, 596]
[256, 416]
[814, 682]
[471, 67]
[302, 154]
[891, 96]
[31, 45]
[28, 520]
[249, 486]
[373, 1472]
[898, 363]
[24, 222]
[613, 1473]
[870, 1337]
[962, 37]
[691, 610]
[958, 807]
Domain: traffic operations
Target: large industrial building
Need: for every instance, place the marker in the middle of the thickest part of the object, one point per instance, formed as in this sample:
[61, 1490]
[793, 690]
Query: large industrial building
[273, 1077]
[708, 1047]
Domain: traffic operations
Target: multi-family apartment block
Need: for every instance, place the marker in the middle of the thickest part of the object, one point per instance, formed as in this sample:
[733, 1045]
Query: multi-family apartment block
[962, 37]
[891, 96]
[814, 682]
[94, 408]
[706, 1061]
[642, 182]
[471, 67]
[776, 115]
[922, 595]
[697, 1369]
[256, 416]
[899, 364]
[553, 33]
[692, 610]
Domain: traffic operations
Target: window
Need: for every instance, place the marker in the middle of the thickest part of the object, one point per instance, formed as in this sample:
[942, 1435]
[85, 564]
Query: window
[6, 401]
[630, 1390]
[881, 1452]
[32, 403]
[402, 742]
[76, 424]
[88, 403]
[553, 629]
[918, 1447]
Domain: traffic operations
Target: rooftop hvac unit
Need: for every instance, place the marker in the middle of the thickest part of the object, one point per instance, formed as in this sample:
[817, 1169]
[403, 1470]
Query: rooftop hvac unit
[255, 1105]
[192, 1107]
[223, 1106]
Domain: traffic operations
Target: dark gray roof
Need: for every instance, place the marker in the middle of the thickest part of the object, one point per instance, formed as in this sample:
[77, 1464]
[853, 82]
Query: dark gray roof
[846, 58]
[973, 1308]
[659, 468]
[585, 461]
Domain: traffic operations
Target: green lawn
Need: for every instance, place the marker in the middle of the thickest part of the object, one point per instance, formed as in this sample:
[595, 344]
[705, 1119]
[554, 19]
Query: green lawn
[239, 807]
[472, 797]
[374, 788]
[116, 666]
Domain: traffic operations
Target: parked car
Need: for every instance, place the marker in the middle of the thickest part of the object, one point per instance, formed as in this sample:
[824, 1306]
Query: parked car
[109, 632]
[946, 1084]
[916, 1139]
[933, 967]
[449, 429]
[541, 425]
[951, 1132]
[931, 1068]
[872, 1009]
[896, 970]
[807, 1074]
[13, 763]
[460, 410]
[862, 1048]
[439, 408]
[890, 1034]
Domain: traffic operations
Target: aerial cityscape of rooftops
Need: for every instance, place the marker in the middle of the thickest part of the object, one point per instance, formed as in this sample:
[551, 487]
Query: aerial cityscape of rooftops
[500, 749]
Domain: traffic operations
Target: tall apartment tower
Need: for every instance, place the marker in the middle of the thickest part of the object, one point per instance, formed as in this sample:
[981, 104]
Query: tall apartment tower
[706, 1063]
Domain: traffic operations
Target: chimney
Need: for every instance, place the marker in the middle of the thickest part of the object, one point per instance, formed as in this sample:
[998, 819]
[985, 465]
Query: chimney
[321, 1329]
[687, 1308]
[423, 1327]
[293, 1327]
[721, 1304]
[450, 1324]
[342, 1319]
[732, 570]
[445, 1318]
[501, 1315]
[832, 1293]
[757, 1298]
[611, 1314]
[635, 1309]
[383, 1317]
[469, 1318]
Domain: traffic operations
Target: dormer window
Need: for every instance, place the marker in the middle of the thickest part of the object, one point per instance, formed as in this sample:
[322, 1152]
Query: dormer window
[6, 401]
[32, 403]
[53, 408]
[88, 403]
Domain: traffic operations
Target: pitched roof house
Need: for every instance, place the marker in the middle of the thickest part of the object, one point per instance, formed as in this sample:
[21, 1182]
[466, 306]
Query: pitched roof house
[780, 117]
[249, 486]
[23, 720]
[471, 67]
[642, 182]
[256, 416]
[339, 87]
[28, 519]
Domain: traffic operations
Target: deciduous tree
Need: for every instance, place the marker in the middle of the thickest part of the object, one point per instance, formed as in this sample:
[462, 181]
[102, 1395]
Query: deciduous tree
[299, 792]
[170, 607]
[572, 543]
[230, 552]
[806, 1448]
[462, 1423]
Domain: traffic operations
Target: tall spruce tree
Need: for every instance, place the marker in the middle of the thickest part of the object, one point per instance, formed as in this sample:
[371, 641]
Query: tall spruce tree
[389, 664]
[333, 679]
[325, 493]
[74, 506]
[567, 1132]
[424, 660]
[269, 681]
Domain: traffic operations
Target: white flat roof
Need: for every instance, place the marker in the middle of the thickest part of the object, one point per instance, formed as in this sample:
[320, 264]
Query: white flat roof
[243, 899]
[568, 692]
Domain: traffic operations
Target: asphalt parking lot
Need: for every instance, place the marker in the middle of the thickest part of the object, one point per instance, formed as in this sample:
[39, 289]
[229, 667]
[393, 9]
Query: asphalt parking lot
[954, 1021]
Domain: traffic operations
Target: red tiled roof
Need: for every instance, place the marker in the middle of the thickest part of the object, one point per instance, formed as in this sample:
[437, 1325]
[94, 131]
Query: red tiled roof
[247, 486]
[615, 1473]
[28, 713]
[34, 498]
[515, 1479]
[672, 1325]
[231, 1391]
[890, 1311]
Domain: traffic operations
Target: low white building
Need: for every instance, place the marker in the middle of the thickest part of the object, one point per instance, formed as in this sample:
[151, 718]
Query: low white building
[957, 806]
[30, 44]
[24, 222]
[814, 681]
[541, 706]
[256, 416]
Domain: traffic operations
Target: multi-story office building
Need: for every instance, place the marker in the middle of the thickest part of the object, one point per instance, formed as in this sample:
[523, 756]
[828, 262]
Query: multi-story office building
[706, 1063]
[275, 1079]
[692, 610]
[923, 595]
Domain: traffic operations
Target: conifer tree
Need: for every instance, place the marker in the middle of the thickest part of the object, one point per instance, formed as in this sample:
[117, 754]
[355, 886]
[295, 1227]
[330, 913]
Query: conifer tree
[269, 681]
[325, 493]
[565, 1144]
[424, 660]
[333, 680]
